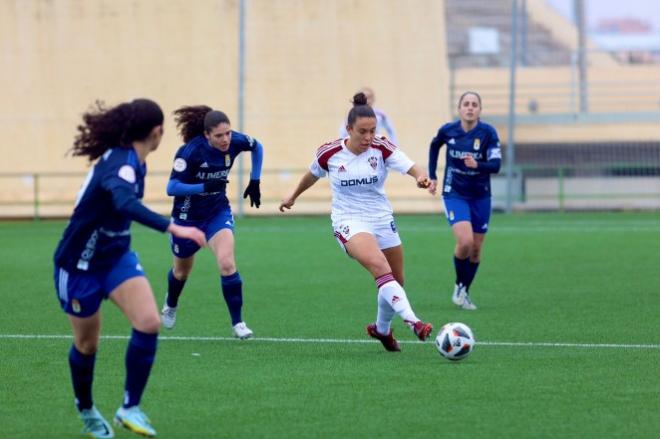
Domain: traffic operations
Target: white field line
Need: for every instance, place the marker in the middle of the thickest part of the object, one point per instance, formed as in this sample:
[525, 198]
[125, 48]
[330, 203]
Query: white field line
[341, 341]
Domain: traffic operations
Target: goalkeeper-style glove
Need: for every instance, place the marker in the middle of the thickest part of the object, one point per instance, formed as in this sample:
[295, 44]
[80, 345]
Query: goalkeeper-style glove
[253, 191]
[215, 185]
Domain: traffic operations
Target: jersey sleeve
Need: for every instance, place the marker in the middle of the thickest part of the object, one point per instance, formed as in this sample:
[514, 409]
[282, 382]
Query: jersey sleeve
[183, 166]
[121, 180]
[494, 150]
[316, 169]
[244, 142]
[434, 152]
[399, 161]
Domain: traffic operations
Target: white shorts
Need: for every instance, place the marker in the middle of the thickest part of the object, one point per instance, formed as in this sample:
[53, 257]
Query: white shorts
[386, 233]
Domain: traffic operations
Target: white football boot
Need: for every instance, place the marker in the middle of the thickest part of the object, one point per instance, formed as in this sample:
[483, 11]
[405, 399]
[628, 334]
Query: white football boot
[168, 316]
[461, 298]
[241, 331]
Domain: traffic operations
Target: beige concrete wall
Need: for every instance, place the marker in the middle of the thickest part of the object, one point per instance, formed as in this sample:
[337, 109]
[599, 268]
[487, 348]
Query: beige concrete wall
[619, 89]
[305, 59]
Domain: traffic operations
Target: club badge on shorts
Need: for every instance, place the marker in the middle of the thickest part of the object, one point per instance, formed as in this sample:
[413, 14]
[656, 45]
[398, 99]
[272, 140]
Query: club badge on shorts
[477, 144]
[75, 306]
[345, 230]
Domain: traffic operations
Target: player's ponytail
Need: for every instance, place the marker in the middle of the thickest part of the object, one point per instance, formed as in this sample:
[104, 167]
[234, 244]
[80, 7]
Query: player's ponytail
[360, 109]
[196, 120]
[104, 128]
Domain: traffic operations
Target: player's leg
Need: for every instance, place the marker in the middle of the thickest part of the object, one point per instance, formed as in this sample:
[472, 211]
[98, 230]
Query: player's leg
[82, 357]
[390, 244]
[222, 246]
[480, 213]
[80, 296]
[131, 292]
[183, 251]
[458, 216]
[392, 298]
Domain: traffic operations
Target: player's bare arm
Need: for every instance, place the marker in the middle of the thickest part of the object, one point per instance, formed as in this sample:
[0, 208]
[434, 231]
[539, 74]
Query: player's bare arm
[305, 183]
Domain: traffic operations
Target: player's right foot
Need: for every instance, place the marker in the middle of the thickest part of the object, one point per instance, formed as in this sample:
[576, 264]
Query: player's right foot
[135, 420]
[422, 330]
[95, 424]
[241, 331]
[388, 341]
[168, 316]
[467, 302]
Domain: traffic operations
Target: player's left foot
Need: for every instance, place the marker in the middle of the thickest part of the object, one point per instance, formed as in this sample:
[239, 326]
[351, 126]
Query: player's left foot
[95, 424]
[422, 330]
[241, 331]
[135, 420]
[168, 316]
[457, 296]
[388, 341]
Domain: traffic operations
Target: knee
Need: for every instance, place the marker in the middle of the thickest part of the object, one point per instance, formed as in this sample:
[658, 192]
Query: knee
[87, 346]
[149, 324]
[464, 246]
[378, 266]
[181, 273]
[227, 265]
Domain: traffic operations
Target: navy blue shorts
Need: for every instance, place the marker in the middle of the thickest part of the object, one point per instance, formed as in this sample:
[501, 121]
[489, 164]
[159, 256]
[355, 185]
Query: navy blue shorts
[80, 292]
[184, 248]
[476, 212]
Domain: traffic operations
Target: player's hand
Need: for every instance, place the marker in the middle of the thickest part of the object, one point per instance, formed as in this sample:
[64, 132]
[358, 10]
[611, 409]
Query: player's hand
[218, 185]
[252, 190]
[287, 203]
[184, 232]
[423, 182]
[470, 162]
[433, 187]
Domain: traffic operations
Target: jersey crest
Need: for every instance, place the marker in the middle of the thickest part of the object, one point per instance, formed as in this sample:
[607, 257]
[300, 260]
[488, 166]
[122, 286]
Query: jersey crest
[373, 161]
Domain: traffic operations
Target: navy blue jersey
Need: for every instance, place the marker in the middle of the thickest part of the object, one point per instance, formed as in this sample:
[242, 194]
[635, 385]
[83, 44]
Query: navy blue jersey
[197, 162]
[98, 234]
[482, 143]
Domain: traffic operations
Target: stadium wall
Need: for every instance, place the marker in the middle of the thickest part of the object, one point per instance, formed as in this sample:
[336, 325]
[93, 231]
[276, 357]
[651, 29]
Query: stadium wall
[304, 60]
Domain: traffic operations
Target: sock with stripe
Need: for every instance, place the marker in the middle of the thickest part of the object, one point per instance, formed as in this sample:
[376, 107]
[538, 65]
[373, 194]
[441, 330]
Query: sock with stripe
[392, 299]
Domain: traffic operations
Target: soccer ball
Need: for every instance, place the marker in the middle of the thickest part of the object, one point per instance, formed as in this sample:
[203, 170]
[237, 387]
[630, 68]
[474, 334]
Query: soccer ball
[455, 341]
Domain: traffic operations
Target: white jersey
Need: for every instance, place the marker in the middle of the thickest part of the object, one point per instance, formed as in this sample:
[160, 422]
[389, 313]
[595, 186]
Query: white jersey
[357, 180]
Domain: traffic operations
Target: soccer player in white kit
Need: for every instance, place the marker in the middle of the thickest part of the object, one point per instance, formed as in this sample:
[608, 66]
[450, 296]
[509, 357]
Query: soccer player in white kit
[362, 219]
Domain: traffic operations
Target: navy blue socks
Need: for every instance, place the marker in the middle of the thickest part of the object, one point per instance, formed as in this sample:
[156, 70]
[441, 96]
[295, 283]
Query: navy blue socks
[232, 290]
[174, 288]
[82, 376]
[472, 272]
[462, 270]
[140, 357]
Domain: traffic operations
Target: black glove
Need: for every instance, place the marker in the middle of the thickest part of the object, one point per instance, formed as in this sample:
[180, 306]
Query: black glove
[253, 191]
[215, 185]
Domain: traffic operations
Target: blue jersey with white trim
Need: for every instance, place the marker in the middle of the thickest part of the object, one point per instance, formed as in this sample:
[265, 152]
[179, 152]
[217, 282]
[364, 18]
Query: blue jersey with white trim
[198, 162]
[98, 233]
[482, 143]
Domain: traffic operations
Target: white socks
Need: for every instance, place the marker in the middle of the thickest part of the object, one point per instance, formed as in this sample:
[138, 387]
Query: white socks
[392, 299]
